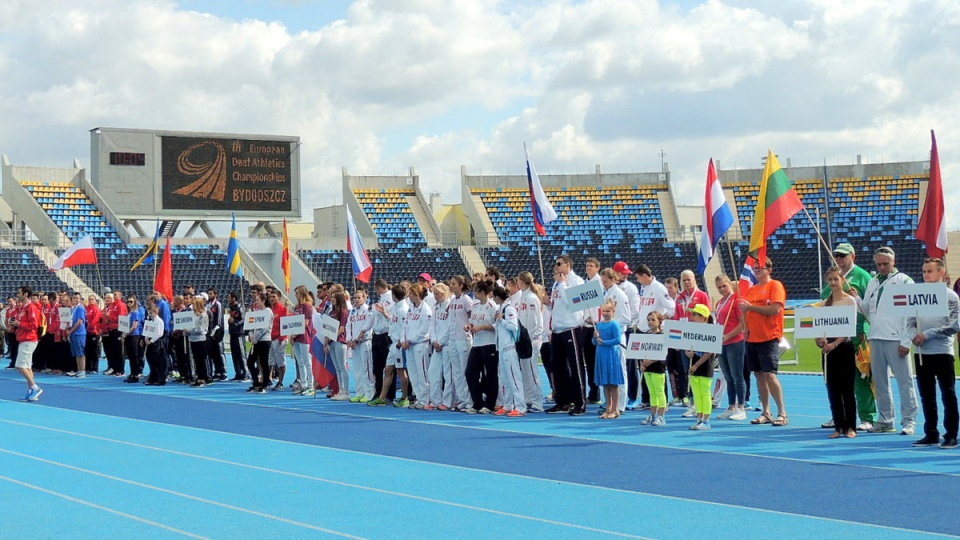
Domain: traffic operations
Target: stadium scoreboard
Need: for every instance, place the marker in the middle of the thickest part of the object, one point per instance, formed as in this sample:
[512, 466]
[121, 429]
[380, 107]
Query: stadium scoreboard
[189, 175]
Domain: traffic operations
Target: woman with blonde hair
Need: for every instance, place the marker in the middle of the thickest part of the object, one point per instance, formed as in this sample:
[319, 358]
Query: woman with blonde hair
[302, 342]
[197, 334]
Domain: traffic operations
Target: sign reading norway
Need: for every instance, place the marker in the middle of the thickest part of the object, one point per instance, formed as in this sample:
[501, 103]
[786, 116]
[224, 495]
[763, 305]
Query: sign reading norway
[828, 321]
[691, 336]
[912, 299]
[586, 296]
[226, 174]
[646, 347]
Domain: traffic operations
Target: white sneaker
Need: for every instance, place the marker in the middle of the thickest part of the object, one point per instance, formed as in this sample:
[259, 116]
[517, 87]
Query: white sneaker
[725, 415]
[908, 429]
[698, 426]
[864, 426]
[648, 420]
[739, 415]
[659, 421]
[691, 412]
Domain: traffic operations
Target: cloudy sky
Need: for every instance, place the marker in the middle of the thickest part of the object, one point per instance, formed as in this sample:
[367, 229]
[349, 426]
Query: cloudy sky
[378, 86]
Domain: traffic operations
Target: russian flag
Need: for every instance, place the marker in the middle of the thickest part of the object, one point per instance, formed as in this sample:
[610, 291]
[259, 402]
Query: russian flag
[362, 269]
[543, 211]
[324, 370]
[747, 277]
[717, 218]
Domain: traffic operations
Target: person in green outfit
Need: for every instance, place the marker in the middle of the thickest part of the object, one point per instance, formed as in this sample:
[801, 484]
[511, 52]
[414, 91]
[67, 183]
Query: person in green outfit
[857, 278]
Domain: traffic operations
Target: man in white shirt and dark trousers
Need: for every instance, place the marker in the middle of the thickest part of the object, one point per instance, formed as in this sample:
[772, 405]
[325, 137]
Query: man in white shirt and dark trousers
[565, 340]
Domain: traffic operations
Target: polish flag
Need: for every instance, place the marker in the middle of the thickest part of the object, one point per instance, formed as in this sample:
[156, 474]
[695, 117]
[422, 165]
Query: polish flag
[80, 253]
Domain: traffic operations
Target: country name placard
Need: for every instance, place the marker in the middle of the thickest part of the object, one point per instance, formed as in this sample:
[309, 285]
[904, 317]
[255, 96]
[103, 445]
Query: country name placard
[292, 325]
[151, 329]
[123, 324]
[184, 320]
[691, 336]
[255, 320]
[586, 296]
[829, 321]
[329, 327]
[66, 317]
[646, 347]
[911, 299]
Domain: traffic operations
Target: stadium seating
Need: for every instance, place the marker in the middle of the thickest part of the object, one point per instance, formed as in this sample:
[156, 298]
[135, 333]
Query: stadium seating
[73, 212]
[23, 267]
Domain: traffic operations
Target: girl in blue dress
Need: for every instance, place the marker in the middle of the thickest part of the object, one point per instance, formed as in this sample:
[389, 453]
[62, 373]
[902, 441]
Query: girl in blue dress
[608, 370]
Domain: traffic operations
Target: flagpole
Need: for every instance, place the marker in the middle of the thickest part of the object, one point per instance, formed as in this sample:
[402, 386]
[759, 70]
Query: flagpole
[833, 262]
[733, 260]
[543, 279]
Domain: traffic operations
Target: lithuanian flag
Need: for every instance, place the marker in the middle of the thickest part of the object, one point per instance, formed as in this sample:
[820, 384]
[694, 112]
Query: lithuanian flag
[776, 204]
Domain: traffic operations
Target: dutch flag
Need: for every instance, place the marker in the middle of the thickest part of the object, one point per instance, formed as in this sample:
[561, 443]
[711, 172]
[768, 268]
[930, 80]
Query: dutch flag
[717, 218]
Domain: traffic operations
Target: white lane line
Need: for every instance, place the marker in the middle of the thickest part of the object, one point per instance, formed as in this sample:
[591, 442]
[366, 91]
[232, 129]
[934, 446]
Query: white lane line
[180, 494]
[444, 465]
[105, 509]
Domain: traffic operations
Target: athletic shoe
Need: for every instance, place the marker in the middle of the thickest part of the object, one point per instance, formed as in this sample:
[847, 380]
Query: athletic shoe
[81, 375]
[377, 402]
[548, 398]
[222, 377]
[515, 414]
[658, 421]
[262, 390]
[403, 403]
[470, 410]
[648, 420]
[277, 387]
[534, 409]
[739, 415]
[631, 405]
[251, 389]
[705, 425]
[949, 443]
[365, 399]
[691, 412]
[35, 394]
[908, 429]
[429, 407]
[500, 411]
[578, 411]
[928, 440]
[296, 387]
[697, 426]
[484, 410]
[828, 424]
[109, 371]
[308, 393]
[864, 426]
[725, 415]
[341, 397]
[356, 399]
[176, 374]
[71, 374]
[676, 401]
[882, 428]
[198, 384]
[442, 407]
[644, 407]
[558, 409]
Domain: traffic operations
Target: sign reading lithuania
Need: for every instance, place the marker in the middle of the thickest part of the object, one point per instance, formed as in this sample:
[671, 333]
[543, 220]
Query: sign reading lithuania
[226, 174]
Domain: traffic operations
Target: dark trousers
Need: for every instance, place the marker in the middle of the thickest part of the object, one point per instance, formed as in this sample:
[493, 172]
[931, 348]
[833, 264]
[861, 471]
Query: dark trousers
[199, 350]
[937, 369]
[679, 365]
[157, 360]
[379, 349]
[841, 368]
[481, 375]
[215, 351]
[589, 353]
[134, 356]
[258, 364]
[91, 350]
[13, 346]
[236, 353]
[568, 368]
[43, 355]
[113, 348]
[183, 357]
[746, 381]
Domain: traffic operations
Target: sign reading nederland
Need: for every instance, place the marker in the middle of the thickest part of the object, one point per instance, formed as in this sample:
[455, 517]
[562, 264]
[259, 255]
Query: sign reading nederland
[586, 296]
[910, 299]
[691, 336]
[829, 321]
[225, 174]
[646, 347]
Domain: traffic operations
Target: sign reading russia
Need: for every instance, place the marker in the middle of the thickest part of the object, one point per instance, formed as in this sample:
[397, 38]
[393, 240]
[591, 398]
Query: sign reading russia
[828, 321]
[646, 347]
[911, 299]
[225, 174]
[586, 296]
[691, 336]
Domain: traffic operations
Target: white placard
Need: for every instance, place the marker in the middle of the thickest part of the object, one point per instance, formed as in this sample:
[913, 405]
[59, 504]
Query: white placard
[184, 320]
[586, 296]
[911, 299]
[151, 329]
[691, 336]
[828, 321]
[255, 320]
[66, 317]
[646, 347]
[292, 325]
[330, 327]
[123, 324]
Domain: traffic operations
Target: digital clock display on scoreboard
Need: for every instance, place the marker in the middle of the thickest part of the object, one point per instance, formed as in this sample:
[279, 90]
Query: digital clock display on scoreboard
[128, 158]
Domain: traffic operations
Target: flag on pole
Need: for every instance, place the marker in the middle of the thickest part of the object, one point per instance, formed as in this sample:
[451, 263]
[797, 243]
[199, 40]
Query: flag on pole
[324, 369]
[233, 251]
[747, 277]
[80, 253]
[932, 229]
[362, 269]
[164, 280]
[150, 252]
[776, 204]
[717, 218]
[285, 258]
[543, 211]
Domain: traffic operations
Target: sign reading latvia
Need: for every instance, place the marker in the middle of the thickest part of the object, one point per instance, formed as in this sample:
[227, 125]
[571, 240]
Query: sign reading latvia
[292, 325]
[828, 321]
[184, 320]
[691, 336]
[911, 299]
[151, 329]
[330, 327]
[646, 347]
[586, 296]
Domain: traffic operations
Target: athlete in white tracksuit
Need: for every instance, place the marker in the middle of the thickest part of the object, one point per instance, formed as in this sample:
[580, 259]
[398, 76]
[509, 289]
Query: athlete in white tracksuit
[530, 315]
[396, 363]
[461, 341]
[416, 343]
[359, 333]
[440, 373]
[508, 369]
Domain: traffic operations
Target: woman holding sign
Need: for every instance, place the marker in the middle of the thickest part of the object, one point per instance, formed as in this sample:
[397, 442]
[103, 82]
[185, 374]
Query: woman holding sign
[156, 356]
[198, 343]
[840, 363]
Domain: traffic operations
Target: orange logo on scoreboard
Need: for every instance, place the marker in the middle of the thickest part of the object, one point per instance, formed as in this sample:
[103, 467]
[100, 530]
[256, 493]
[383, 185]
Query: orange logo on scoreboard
[212, 183]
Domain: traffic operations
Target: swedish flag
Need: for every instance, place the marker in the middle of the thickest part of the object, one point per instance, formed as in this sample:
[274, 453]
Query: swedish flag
[233, 251]
[152, 249]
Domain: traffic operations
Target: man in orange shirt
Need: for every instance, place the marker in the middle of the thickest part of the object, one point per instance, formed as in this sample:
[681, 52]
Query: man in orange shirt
[763, 312]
